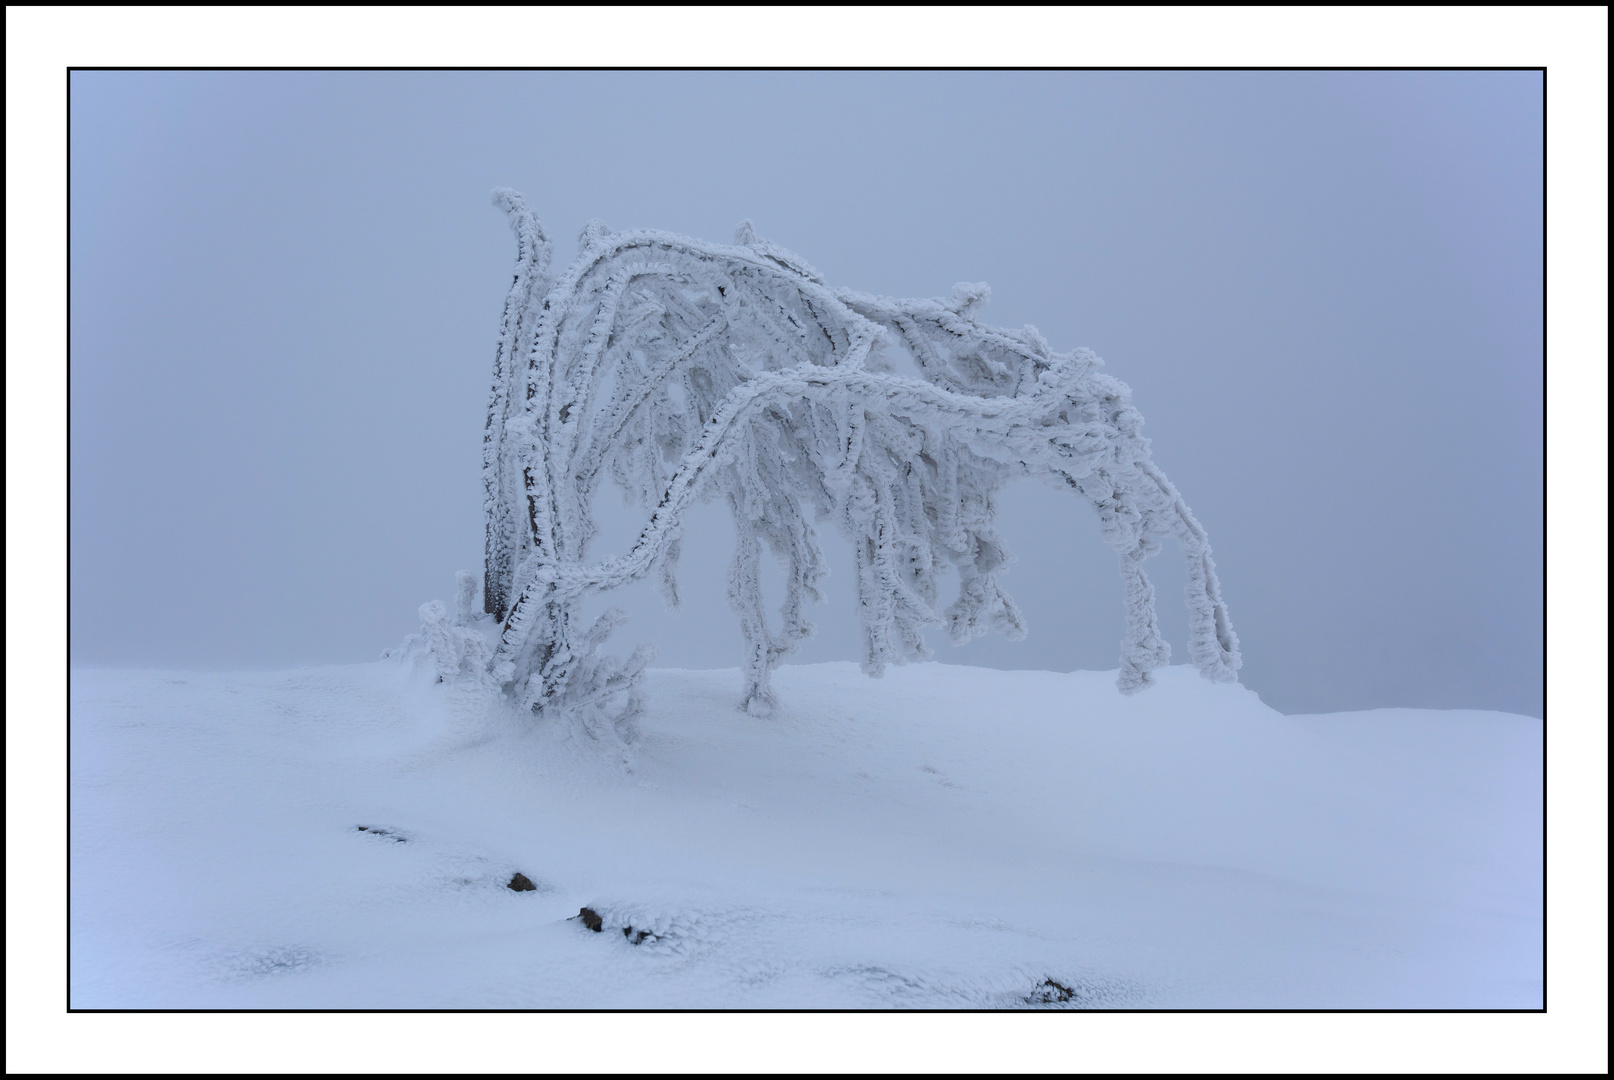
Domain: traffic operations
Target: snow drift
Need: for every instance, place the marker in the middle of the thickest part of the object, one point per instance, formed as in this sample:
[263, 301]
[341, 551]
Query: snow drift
[345, 837]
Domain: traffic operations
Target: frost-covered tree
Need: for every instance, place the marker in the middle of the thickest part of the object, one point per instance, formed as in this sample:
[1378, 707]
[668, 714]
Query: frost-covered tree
[689, 371]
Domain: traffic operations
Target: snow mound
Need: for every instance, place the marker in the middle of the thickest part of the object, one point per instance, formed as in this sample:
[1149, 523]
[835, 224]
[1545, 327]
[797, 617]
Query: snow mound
[944, 837]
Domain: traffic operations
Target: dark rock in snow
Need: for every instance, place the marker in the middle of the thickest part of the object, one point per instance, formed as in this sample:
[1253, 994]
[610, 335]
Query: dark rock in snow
[521, 883]
[1050, 993]
[594, 922]
[388, 833]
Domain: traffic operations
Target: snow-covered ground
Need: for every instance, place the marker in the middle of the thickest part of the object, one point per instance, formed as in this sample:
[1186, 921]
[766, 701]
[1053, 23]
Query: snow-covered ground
[942, 837]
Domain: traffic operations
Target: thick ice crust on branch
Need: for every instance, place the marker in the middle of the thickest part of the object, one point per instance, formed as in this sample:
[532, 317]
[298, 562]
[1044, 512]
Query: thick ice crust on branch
[686, 370]
[507, 541]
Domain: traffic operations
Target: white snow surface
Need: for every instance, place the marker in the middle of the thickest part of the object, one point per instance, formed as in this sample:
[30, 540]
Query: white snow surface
[943, 837]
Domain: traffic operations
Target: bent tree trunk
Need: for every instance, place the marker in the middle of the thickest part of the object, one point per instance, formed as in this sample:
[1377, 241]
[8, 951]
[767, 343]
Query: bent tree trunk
[686, 370]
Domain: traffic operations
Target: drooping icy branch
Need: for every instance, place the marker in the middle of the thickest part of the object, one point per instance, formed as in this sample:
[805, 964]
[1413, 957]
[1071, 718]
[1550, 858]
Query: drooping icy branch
[688, 369]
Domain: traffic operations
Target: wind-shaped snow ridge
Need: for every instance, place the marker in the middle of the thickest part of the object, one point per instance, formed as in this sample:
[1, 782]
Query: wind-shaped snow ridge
[688, 370]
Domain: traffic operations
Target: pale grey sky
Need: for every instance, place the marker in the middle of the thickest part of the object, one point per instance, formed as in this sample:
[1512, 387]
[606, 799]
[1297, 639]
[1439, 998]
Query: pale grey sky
[1325, 290]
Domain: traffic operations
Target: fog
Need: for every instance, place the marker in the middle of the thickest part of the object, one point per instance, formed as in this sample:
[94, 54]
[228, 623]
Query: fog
[1325, 289]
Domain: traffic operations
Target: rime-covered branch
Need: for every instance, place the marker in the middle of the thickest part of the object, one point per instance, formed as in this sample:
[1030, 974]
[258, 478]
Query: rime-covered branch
[687, 370]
